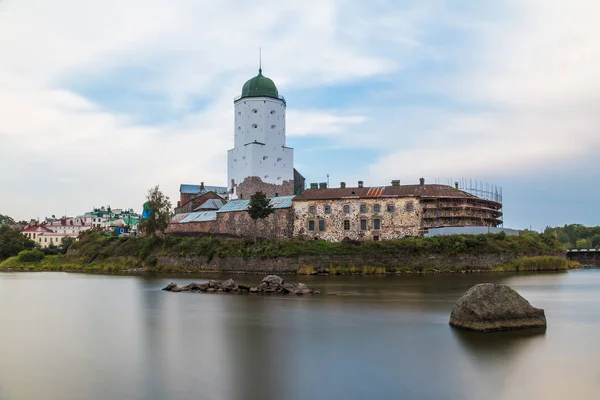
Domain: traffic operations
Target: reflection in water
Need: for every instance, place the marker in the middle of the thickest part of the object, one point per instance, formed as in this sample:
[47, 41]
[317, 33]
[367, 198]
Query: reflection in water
[73, 336]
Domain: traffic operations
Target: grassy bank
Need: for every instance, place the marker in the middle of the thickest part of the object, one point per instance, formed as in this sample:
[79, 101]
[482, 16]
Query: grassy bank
[95, 252]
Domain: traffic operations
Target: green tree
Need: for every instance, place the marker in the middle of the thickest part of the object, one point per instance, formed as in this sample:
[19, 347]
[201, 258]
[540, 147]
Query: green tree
[12, 242]
[259, 208]
[6, 220]
[159, 214]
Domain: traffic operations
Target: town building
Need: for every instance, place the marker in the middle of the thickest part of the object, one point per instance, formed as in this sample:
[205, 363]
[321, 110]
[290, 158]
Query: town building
[44, 236]
[192, 197]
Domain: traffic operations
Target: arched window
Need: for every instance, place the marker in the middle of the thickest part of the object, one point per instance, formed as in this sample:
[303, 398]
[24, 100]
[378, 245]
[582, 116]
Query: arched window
[410, 207]
[254, 110]
[346, 209]
[272, 111]
[327, 209]
[254, 126]
[390, 207]
[272, 126]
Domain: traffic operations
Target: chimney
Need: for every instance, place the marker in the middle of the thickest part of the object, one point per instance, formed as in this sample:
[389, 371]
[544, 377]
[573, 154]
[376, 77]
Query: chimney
[342, 185]
[456, 185]
[396, 182]
[422, 181]
[314, 185]
[360, 184]
[323, 185]
[201, 186]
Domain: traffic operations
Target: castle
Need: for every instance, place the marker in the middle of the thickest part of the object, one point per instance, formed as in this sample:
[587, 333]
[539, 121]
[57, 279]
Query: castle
[260, 160]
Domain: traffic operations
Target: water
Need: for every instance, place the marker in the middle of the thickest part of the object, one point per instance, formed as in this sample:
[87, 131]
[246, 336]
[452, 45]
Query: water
[77, 336]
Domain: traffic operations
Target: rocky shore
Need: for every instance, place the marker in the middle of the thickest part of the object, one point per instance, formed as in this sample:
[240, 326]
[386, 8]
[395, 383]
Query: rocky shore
[269, 284]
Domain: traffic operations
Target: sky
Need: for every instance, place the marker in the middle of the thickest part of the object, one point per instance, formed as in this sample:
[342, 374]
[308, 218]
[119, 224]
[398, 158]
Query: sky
[100, 101]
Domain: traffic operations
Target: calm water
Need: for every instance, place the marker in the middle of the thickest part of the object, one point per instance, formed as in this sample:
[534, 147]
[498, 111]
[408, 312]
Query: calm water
[76, 336]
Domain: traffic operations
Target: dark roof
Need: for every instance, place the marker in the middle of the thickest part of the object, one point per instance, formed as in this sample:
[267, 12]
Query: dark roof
[382, 192]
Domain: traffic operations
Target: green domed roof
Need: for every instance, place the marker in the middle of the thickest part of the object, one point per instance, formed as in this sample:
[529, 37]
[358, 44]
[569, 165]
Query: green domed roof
[260, 86]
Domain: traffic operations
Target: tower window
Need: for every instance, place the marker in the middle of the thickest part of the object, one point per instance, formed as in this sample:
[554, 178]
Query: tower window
[265, 157]
[272, 126]
[272, 111]
[255, 111]
[278, 158]
[254, 126]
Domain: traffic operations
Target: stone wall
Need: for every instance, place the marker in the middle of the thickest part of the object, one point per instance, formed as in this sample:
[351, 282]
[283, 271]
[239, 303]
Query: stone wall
[290, 265]
[394, 224]
[253, 184]
[239, 224]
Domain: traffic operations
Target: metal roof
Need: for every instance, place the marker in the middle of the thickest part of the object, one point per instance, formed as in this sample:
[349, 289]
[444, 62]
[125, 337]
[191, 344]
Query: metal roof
[200, 216]
[195, 189]
[211, 204]
[242, 205]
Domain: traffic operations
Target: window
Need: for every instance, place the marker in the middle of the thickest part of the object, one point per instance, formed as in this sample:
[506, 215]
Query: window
[276, 194]
[346, 209]
[363, 208]
[255, 111]
[390, 207]
[410, 207]
[377, 208]
[254, 126]
[327, 209]
[363, 224]
[346, 225]
[375, 237]
[311, 225]
[265, 157]
[377, 223]
[312, 209]
[272, 111]
[272, 126]
[321, 225]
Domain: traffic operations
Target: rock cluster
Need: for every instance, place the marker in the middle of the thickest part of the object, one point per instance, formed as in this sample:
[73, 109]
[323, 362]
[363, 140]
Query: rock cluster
[270, 284]
[493, 307]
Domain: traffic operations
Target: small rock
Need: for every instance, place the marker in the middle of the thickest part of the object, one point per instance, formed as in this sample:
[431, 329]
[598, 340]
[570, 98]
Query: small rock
[253, 290]
[272, 281]
[203, 287]
[170, 287]
[244, 288]
[211, 290]
[228, 285]
[176, 289]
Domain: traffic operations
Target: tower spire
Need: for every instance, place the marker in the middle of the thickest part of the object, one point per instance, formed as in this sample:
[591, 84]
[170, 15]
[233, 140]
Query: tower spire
[260, 60]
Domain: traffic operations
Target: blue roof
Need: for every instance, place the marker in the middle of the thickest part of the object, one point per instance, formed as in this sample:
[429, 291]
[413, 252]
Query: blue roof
[242, 205]
[211, 204]
[195, 189]
[200, 217]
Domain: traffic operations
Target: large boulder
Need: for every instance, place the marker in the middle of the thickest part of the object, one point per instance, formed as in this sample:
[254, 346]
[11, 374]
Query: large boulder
[272, 281]
[170, 287]
[493, 307]
[229, 285]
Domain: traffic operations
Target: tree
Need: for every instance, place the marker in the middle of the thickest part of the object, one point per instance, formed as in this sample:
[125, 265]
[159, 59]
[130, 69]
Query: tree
[6, 220]
[157, 212]
[12, 242]
[259, 208]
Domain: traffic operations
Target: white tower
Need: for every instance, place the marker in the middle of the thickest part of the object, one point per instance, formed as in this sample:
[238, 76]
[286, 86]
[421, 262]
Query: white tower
[260, 160]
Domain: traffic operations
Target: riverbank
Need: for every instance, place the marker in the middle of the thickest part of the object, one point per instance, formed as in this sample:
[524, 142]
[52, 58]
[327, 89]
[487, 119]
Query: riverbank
[95, 252]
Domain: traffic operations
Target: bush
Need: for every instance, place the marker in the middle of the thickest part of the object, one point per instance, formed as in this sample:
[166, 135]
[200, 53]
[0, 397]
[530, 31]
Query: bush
[31, 256]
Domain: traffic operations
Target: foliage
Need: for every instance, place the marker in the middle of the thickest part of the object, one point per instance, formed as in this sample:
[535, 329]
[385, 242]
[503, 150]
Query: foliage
[259, 206]
[576, 235]
[12, 242]
[541, 263]
[28, 256]
[6, 220]
[160, 212]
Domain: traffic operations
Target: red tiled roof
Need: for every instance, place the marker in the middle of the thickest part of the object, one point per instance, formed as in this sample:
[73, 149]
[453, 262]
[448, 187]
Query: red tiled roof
[385, 191]
[37, 229]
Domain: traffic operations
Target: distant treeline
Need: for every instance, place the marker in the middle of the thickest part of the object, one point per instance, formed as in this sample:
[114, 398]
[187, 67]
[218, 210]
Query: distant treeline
[576, 235]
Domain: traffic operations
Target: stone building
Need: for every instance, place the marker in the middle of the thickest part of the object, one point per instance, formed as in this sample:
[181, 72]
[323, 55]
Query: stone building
[233, 220]
[389, 212]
